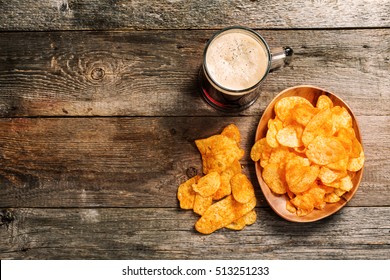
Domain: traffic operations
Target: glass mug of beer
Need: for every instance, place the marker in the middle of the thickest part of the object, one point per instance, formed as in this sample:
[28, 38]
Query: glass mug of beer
[236, 61]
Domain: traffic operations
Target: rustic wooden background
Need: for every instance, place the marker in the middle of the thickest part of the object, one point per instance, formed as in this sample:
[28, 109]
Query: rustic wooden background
[100, 107]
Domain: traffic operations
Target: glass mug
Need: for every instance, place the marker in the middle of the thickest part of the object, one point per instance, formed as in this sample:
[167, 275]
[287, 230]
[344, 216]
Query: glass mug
[236, 60]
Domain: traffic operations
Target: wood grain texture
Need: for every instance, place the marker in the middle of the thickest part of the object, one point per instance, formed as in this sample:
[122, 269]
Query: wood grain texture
[125, 74]
[138, 162]
[161, 233]
[100, 107]
[127, 14]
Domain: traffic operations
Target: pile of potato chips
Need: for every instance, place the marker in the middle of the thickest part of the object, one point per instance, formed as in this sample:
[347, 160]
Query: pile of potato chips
[310, 153]
[224, 196]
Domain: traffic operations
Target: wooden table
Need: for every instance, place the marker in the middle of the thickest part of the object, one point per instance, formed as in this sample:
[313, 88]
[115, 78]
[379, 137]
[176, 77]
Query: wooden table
[100, 107]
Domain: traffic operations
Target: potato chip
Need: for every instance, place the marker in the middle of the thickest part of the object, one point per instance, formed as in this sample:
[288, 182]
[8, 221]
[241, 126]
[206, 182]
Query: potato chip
[340, 118]
[327, 175]
[274, 125]
[284, 106]
[250, 218]
[339, 192]
[299, 174]
[331, 198]
[317, 195]
[290, 207]
[290, 136]
[344, 184]
[204, 145]
[327, 189]
[218, 153]
[186, 194]
[303, 202]
[231, 131]
[350, 132]
[340, 165]
[225, 187]
[320, 124]
[345, 138]
[246, 220]
[223, 158]
[236, 167]
[264, 163]
[279, 156]
[238, 224]
[303, 113]
[356, 148]
[222, 213]
[208, 184]
[321, 205]
[310, 199]
[324, 102]
[297, 161]
[242, 188]
[274, 178]
[261, 150]
[324, 150]
[355, 163]
[303, 212]
[202, 203]
[290, 194]
[300, 178]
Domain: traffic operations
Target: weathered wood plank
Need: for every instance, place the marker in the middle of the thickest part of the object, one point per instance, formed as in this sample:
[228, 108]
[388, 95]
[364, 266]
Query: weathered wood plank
[138, 162]
[160, 233]
[98, 15]
[125, 74]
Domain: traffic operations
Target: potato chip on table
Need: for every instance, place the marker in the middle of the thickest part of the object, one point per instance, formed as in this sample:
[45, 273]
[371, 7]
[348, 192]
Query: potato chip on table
[242, 188]
[222, 213]
[223, 196]
[208, 184]
[246, 220]
[218, 152]
[201, 203]
[186, 194]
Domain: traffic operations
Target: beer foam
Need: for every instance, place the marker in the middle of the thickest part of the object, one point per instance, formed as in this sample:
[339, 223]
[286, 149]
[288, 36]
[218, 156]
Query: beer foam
[236, 60]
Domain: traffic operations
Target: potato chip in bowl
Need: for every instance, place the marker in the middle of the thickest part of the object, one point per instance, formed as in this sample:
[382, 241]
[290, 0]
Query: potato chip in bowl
[308, 154]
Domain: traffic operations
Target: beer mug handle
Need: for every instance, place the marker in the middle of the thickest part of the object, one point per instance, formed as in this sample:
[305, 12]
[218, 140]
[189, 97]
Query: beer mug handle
[280, 57]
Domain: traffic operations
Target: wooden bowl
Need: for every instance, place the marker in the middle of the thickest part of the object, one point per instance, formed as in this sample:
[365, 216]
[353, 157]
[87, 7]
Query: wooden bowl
[278, 202]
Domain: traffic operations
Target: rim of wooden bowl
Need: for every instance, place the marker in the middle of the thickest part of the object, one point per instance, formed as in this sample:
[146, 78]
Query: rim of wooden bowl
[278, 202]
